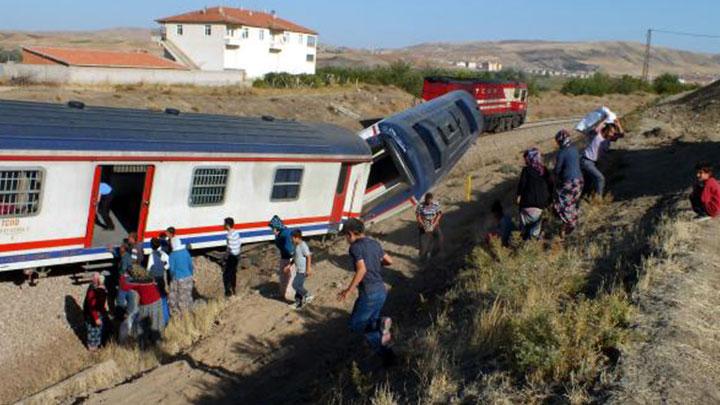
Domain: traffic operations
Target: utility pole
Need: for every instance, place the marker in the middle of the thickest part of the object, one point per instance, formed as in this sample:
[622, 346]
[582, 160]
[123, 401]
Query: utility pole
[646, 62]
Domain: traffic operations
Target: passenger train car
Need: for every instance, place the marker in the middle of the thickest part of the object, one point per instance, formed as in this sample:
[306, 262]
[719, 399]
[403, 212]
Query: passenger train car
[192, 170]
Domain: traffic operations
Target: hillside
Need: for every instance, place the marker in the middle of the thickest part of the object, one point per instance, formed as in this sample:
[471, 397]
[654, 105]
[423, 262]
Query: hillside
[616, 58]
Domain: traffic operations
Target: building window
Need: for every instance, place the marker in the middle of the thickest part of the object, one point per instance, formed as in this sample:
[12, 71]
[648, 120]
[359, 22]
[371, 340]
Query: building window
[245, 33]
[286, 185]
[20, 192]
[310, 57]
[208, 186]
[208, 30]
[179, 29]
[261, 34]
[311, 41]
[286, 37]
[231, 32]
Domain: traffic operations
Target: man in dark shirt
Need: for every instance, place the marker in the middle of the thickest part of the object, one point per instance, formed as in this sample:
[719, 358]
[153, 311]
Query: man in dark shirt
[368, 260]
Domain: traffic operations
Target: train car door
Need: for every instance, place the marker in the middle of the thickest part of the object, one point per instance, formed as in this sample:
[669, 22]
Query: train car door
[340, 194]
[119, 203]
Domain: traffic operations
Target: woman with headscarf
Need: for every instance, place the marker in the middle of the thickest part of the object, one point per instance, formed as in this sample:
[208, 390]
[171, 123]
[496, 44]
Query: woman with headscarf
[150, 321]
[286, 270]
[568, 182]
[181, 278]
[533, 194]
[95, 311]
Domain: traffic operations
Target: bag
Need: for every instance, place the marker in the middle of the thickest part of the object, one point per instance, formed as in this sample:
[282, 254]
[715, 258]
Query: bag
[158, 268]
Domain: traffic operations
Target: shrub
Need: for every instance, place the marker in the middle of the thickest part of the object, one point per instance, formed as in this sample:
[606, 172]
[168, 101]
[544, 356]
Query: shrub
[601, 84]
[670, 84]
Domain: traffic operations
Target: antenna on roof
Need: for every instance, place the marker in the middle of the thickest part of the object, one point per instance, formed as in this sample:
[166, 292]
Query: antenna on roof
[273, 14]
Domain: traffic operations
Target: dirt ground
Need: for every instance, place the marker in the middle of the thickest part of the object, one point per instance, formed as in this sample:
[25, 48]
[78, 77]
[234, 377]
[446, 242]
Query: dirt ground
[256, 333]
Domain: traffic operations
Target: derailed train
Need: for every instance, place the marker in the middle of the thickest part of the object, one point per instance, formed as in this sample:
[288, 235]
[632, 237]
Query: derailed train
[192, 170]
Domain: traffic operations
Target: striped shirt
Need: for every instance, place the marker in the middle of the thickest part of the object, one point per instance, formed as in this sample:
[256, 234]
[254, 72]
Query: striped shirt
[428, 212]
[233, 242]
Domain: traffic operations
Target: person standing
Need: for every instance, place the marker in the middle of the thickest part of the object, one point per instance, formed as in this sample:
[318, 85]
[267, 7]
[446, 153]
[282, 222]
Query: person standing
[533, 194]
[503, 225]
[302, 259]
[283, 241]
[705, 198]
[368, 260]
[136, 248]
[232, 257]
[181, 278]
[568, 182]
[158, 265]
[428, 215]
[598, 145]
[95, 311]
[105, 194]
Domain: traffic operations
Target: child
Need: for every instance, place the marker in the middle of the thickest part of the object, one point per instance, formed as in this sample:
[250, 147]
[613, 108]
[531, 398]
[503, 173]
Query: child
[302, 259]
[504, 226]
[705, 198]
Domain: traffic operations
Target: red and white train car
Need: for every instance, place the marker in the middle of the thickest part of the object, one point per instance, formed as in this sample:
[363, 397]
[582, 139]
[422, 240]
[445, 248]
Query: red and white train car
[503, 104]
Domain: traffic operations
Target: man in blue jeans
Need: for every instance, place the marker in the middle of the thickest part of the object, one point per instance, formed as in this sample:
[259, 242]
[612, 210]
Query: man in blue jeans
[598, 145]
[368, 260]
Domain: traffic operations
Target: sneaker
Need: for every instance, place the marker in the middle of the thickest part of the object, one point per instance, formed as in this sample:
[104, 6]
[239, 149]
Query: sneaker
[296, 305]
[385, 325]
[308, 299]
[702, 218]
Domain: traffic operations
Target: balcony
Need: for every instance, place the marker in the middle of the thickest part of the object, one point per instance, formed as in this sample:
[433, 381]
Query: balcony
[232, 41]
[277, 46]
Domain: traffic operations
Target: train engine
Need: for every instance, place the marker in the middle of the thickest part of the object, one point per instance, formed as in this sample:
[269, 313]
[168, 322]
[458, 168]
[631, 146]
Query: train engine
[503, 104]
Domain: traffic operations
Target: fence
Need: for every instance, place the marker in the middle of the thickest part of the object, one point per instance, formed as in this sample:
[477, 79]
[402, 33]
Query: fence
[115, 75]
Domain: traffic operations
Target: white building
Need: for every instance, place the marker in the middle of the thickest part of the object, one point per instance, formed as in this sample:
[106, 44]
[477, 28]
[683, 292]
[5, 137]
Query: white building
[224, 38]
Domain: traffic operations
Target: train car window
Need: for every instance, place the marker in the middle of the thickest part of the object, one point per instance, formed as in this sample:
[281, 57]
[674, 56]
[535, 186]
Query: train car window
[286, 186]
[431, 145]
[20, 192]
[208, 186]
[458, 123]
[468, 115]
[517, 93]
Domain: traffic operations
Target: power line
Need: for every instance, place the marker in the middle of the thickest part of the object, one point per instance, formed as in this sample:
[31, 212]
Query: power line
[687, 34]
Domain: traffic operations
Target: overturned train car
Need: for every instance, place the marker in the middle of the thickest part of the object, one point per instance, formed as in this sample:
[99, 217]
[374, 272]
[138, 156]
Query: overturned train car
[192, 170]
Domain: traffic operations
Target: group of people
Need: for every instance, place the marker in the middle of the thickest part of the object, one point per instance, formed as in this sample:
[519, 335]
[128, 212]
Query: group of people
[140, 294]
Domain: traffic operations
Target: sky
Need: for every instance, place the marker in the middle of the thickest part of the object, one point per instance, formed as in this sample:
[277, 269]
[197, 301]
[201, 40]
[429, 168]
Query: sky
[398, 23]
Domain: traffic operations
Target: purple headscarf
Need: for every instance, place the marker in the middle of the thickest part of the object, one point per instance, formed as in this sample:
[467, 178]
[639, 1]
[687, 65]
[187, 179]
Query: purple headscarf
[534, 160]
[563, 138]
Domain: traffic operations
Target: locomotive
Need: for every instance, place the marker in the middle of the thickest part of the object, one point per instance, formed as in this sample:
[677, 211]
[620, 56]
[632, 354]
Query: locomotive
[503, 104]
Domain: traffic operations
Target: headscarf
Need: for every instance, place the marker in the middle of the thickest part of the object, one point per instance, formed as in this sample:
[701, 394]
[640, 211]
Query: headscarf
[533, 159]
[177, 244]
[276, 223]
[563, 138]
[98, 280]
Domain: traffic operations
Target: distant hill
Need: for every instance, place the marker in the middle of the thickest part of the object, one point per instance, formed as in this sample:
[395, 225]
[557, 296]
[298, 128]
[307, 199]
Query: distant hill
[611, 57]
[615, 58]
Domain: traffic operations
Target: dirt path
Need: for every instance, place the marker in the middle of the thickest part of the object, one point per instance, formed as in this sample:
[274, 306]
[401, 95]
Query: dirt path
[262, 348]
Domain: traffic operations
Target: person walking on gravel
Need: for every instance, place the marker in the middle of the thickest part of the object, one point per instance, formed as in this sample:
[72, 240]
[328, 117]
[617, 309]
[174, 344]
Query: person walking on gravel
[533, 194]
[302, 259]
[428, 215]
[705, 198]
[368, 260]
[568, 182]
[284, 243]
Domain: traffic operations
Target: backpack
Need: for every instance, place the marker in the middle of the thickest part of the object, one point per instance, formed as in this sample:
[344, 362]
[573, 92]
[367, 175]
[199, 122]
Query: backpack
[158, 268]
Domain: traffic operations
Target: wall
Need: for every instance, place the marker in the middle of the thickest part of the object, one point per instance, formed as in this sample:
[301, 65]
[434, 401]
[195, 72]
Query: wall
[205, 51]
[98, 75]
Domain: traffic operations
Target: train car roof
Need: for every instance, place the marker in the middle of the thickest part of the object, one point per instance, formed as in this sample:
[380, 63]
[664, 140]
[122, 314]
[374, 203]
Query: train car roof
[42, 126]
[450, 79]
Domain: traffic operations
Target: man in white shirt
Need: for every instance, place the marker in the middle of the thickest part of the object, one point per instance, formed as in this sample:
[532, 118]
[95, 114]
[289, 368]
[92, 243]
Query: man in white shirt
[597, 146]
[232, 257]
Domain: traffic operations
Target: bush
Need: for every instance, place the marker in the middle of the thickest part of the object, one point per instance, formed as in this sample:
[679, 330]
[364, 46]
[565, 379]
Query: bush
[670, 84]
[399, 74]
[601, 84]
[10, 55]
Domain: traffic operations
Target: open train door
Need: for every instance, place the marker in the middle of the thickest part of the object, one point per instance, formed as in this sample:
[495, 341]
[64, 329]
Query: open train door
[128, 205]
[341, 190]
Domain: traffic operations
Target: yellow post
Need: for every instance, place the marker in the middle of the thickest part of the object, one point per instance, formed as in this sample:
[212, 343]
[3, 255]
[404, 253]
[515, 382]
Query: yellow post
[468, 188]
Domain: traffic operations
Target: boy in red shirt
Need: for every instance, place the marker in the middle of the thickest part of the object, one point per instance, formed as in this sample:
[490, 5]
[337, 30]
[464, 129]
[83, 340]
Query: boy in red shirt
[705, 198]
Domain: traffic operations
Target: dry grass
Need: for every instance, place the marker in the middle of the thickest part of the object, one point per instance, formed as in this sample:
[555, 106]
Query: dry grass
[669, 242]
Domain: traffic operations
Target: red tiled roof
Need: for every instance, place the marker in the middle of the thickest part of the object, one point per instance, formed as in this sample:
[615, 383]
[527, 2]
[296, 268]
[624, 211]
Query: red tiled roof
[229, 15]
[101, 58]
